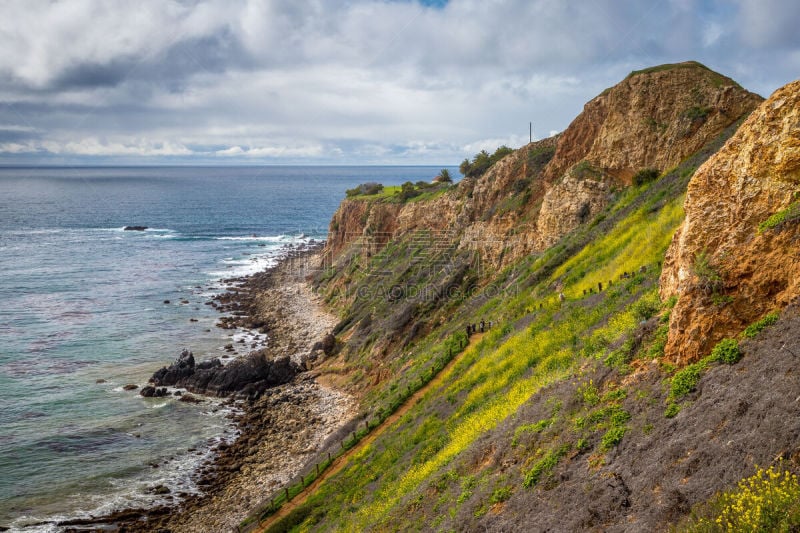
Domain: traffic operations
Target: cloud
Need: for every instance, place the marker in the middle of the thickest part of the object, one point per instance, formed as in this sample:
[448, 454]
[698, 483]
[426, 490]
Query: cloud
[362, 81]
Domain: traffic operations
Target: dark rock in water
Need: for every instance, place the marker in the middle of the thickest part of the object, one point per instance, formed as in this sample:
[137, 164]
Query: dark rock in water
[248, 376]
[101, 380]
[160, 489]
[130, 386]
[153, 392]
[181, 368]
[134, 228]
[166, 301]
[190, 398]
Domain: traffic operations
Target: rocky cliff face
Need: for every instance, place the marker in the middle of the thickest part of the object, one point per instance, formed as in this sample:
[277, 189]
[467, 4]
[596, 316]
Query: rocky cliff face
[725, 269]
[536, 195]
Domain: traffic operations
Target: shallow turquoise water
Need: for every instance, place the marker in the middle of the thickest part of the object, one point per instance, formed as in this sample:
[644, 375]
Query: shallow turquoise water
[81, 301]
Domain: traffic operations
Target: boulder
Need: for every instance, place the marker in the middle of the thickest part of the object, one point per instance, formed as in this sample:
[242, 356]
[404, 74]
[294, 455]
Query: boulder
[248, 376]
[134, 228]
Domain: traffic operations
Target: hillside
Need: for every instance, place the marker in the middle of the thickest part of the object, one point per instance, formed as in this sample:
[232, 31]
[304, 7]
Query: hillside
[590, 403]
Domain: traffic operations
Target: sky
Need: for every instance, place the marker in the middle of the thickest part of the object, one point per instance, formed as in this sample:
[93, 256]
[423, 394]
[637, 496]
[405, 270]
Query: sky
[252, 82]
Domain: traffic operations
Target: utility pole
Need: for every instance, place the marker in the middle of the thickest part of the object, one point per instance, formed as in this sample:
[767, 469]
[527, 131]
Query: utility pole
[530, 131]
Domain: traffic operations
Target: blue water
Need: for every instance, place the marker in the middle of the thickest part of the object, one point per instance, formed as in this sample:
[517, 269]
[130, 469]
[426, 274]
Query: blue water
[81, 301]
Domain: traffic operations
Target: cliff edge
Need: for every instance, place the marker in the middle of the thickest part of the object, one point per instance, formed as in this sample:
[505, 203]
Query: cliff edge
[737, 254]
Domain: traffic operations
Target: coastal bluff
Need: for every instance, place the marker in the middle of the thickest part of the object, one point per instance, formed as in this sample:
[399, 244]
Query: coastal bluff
[653, 119]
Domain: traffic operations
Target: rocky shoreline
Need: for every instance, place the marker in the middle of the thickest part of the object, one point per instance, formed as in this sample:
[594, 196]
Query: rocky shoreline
[283, 423]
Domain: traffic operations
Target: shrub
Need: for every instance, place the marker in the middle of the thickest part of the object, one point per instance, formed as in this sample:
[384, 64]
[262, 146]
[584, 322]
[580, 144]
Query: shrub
[500, 495]
[520, 185]
[672, 410]
[757, 327]
[612, 437]
[407, 191]
[684, 381]
[588, 394]
[709, 280]
[646, 307]
[767, 501]
[727, 351]
[365, 189]
[646, 175]
[697, 112]
[544, 466]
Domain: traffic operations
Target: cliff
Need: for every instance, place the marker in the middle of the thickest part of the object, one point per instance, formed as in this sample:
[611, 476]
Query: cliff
[737, 254]
[536, 195]
[577, 408]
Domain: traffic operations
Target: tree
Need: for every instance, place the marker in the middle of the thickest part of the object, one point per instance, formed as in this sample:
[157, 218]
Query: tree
[444, 176]
[464, 167]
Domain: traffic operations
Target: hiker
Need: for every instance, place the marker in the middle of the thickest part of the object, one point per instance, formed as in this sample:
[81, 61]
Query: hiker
[490, 324]
[483, 324]
[469, 331]
[561, 297]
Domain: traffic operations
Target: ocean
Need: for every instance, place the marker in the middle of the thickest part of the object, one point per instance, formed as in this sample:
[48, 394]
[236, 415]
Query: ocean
[83, 313]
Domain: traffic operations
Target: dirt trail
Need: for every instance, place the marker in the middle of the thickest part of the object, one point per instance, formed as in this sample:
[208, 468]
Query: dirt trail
[342, 460]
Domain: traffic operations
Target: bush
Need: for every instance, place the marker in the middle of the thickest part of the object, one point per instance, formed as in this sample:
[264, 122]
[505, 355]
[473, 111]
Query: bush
[646, 175]
[612, 437]
[766, 501]
[710, 280]
[365, 189]
[544, 466]
[684, 381]
[646, 307]
[407, 191]
[500, 495]
[672, 410]
[757, 327]
[727, 351]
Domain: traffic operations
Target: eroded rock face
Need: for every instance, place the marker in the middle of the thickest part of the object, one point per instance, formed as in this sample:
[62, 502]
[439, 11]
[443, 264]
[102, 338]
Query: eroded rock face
[725, 272]
[531, 198]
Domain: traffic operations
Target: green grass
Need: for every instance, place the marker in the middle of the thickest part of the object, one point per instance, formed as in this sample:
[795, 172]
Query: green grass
[790, 214]
[757, 327]
[544, 466]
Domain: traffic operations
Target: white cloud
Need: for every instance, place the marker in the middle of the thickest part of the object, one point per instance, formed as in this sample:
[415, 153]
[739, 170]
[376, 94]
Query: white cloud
[374, 80]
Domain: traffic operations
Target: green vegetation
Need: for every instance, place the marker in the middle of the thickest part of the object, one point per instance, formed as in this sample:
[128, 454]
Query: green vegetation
[646, 175]
[685, 380]
[769, 500]
[697, 112]
[585, 169]
[483, 161]
[365, 189]
[500, 495]
[726, 351]
[444, 176]
[407, 192]
[716, 79]
[790, 214]
[545, 465]
[757, 327]
[433, 467]
[672, 410]
[710, 280]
